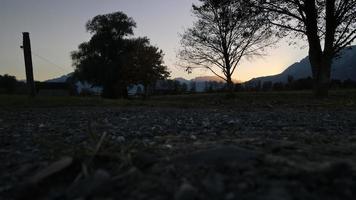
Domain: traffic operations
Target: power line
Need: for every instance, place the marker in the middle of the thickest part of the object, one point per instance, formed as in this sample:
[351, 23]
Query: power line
[49, 61]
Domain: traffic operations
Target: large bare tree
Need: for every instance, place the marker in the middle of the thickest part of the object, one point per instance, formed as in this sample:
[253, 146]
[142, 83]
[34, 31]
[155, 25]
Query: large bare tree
[225, 31]
[328, 25]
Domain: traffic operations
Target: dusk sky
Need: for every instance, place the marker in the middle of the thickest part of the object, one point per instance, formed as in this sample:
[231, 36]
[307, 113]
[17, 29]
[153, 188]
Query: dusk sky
[57, 27]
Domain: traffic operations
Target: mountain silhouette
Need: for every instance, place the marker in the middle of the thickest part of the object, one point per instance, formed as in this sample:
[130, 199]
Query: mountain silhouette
[61, 79]
[203, 79]
[201, 82]
[343, 68]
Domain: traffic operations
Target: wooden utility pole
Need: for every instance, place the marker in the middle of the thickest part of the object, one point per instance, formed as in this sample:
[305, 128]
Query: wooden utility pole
[28, 63]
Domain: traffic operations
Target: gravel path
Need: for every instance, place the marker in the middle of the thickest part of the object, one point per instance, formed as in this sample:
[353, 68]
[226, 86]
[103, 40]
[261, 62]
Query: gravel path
[171, 153]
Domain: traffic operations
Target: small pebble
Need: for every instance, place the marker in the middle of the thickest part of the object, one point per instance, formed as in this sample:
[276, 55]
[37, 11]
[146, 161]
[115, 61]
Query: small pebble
[120, 139]
[186, 192]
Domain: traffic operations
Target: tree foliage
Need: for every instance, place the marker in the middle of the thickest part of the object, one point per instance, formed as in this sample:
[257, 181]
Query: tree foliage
[8, 83]
[225, 31]
[113, 60]
[332, 22]
[145, 62]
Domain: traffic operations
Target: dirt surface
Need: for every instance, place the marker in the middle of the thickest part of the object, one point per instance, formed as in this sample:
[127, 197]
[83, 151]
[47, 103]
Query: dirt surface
[176, 153]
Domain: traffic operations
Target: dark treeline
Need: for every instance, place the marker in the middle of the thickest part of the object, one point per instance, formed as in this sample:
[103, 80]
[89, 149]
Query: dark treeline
[299, 84]
[10, 85]
[171, 87]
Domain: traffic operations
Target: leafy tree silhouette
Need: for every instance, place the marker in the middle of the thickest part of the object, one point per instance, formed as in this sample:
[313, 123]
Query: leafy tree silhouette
[112, 60]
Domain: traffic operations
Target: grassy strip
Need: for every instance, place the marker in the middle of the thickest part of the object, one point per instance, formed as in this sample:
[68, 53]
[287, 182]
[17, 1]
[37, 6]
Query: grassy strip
[338, 98]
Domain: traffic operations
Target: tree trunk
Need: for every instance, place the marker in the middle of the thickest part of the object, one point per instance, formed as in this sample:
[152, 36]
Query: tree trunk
[123, 93]
[109, 91]
[146, 91]
[322, 82]
[230, 84]
[321, 76]
[114, 91]
[320, 61]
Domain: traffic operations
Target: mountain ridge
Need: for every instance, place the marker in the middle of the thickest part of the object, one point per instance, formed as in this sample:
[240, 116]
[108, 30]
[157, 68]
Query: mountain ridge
[203, 79]
[343, 68]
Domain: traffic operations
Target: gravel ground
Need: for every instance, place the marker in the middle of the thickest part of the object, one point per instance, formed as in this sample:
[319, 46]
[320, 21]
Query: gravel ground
[173, 153]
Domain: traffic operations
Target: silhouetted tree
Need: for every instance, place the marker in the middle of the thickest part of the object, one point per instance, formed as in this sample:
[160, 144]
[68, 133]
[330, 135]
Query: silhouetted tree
[193, 87]
[225, 32]
[302, 84]
[278, 86]
[113, 61]
[8, 83]
[145, 63]
[239, 87]
[267, 86]
[100, 61]
[177, 87]
[349, 84]
[184, 87]
[258, 85]
[290, 79]
[335, 84]
[169, 87]
[71, 82]
[328, 25]
[139, 90]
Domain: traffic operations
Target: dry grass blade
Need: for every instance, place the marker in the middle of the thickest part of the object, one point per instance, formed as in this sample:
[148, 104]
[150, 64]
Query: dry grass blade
[92, 136]
[98, 146]
[52, 169]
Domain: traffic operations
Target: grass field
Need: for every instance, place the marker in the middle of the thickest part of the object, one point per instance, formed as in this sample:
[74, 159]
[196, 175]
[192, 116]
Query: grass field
[337, 98]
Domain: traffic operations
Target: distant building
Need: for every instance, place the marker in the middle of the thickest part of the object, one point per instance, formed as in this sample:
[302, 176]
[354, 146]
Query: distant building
[85, 87]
